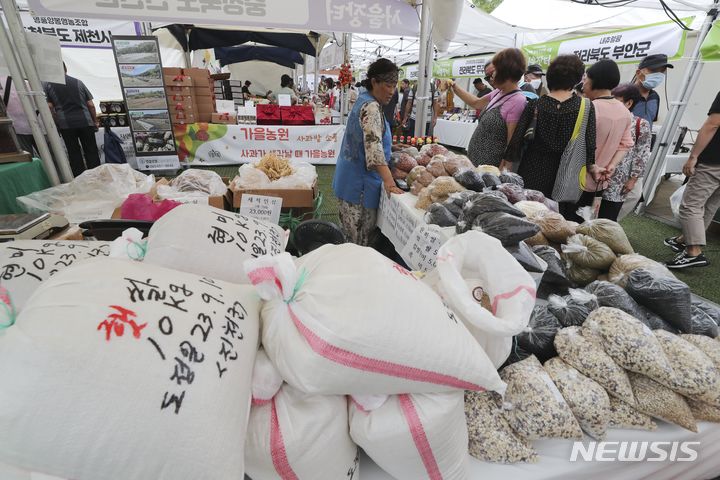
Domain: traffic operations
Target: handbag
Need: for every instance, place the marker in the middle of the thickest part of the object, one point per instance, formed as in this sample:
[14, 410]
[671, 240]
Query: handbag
[572, 171]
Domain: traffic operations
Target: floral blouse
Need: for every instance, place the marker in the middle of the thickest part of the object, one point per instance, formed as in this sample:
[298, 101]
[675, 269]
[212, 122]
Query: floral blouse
[372, 122]
[633, 165]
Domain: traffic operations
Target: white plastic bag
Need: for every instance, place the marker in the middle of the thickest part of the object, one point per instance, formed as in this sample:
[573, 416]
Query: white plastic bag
[415, 437]
[304, 176]
[676, 200]
[346, 320]
[25, 264]
[129, 246]
[208, 241]
[92, 195]
[117, 370]
[195, 180]
[472, 263]
[296, 435]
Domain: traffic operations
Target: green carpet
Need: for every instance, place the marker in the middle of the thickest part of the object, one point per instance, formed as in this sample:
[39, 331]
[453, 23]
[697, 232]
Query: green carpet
[647, 235]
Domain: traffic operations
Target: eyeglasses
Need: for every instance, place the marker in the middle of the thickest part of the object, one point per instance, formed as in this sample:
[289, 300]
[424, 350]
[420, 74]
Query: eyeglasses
[489, 78]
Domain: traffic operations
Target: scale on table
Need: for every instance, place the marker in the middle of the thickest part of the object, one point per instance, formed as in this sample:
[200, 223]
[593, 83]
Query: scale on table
[30, 226]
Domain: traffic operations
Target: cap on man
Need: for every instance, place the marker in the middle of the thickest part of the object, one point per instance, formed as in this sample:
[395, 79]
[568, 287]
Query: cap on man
[534, 76]
[650, 75]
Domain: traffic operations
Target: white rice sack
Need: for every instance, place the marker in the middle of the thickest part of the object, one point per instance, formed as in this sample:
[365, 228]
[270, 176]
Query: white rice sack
[695, 373]
[266, 380]
[208, 241]
[660, 402]
[490, 435]
[474, 263]
[25, 264]
[629, 342]
[623, 415]
[117, 370]
[533, 406]
[589, 358]
[416, 436]
[588, 400]
[346, 320]
[295, 435]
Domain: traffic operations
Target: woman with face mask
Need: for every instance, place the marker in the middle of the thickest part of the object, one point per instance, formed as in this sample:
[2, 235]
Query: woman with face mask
[649, 76]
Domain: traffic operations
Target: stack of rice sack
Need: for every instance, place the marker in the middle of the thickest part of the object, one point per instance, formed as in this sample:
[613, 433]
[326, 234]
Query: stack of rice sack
[395, 368]
[611, 372]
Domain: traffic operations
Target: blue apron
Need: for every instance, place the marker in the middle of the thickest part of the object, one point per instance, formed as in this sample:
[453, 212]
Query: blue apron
[353, 182]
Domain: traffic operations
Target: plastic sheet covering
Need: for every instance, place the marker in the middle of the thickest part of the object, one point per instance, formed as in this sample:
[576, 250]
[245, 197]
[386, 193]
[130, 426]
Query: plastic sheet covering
[92, 195]
[202, 181]
[304, 176]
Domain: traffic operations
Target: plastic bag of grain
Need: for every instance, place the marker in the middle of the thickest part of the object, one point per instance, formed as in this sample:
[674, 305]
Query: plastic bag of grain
[623, 415]
[531, 208]
[704, 319]
[125, 363]
[702, 411]
[410, 342]
[695, 373]
[556, 273]
[707, 345]
[578, 275]
[415, 436]
[539, 336]
[294, 435]
[668, 297]
[25, 264]
[608, 232]
[490, 435]
[553, 225]
[660, 402]
[611, 295]
[589, 358]
[588, 252]
[573, 309]
[629, 342]
[475, 262]
[621, 268]
[208, 241]
[587, 399]
[533, 406]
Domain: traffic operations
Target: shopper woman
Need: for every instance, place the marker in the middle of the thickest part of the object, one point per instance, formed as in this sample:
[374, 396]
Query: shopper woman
[362, 173]
[500, 110]
[286, 88]
[555, 117]
[632, 167]
[613, 124]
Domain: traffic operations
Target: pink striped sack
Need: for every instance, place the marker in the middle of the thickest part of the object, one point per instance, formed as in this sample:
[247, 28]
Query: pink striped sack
[346, 320]
[414, 437]
[475, 265]
[293, 436]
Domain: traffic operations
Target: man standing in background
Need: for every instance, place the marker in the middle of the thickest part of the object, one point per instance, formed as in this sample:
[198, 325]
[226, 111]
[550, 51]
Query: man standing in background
[76, 119]
[480, 88]
[534, 76]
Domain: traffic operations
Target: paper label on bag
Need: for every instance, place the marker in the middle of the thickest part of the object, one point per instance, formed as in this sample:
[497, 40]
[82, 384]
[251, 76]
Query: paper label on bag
[261, 207]
[193, 200]
[421, 251]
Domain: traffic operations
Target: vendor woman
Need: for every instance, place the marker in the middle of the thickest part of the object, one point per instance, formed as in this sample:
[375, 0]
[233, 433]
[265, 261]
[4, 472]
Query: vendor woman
[362, 173]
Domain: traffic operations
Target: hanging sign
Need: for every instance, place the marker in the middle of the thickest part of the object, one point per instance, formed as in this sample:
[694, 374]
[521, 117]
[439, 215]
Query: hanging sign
[629, 45]
[78, 32]
[141, 79]
[392, 17]
[451, 68]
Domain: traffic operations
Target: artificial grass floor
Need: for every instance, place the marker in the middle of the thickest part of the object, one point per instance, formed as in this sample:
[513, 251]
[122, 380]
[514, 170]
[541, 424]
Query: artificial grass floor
[645, 234]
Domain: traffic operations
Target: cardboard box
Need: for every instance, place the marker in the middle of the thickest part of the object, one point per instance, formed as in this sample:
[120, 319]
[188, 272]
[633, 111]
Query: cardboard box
[178, 80]
[184, 118]
[295, 198]
[173, 71]
[224, 118]
[171, 90]
[218, 201]
[200, 77]
[186, 105]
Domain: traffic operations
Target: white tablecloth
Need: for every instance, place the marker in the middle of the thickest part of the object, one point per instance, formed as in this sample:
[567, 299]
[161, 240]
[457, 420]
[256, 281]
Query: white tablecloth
[456, 134]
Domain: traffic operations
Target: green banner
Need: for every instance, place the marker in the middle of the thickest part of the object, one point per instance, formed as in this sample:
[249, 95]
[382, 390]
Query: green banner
[710, 49]
[627, 45]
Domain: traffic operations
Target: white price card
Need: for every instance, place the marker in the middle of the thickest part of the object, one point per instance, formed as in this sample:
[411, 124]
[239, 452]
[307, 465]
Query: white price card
[225, 106]
[284, 100]
[261, 207]
[421, 251]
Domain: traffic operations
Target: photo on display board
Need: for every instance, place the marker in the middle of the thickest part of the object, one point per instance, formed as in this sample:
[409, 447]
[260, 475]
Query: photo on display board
[153, 142]
[145, 98]
[137, 51]
[144, 75]
[150, 120]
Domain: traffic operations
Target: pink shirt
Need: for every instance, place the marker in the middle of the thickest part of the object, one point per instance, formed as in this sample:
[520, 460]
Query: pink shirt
[613, 123]
[511, 105]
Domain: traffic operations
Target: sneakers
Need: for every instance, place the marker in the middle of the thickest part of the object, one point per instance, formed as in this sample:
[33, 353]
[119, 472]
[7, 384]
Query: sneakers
[683, 260]
[674, 245]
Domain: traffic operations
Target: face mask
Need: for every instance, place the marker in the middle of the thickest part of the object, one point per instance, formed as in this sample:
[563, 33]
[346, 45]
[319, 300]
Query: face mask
[653, 80]
[536, 83]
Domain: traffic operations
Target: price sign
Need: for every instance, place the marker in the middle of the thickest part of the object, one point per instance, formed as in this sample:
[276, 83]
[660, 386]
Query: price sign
[421, 251]
[261, 207]
[165, 162]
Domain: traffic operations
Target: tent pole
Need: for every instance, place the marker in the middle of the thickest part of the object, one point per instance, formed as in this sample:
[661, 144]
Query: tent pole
[188, 58]
[28, 105]
[658, 160]
[17, 32]
[423, 90]
[304, 72]
[317, 70]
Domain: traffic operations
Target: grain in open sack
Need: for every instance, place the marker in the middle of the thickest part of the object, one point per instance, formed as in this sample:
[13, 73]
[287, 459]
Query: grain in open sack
[660, 402]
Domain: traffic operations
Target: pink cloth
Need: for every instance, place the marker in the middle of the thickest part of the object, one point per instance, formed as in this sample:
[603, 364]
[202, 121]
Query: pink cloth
[613, 122]
[511, 106]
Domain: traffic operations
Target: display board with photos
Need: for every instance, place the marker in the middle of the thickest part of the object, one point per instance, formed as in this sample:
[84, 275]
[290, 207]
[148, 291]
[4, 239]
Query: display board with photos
[141, 79]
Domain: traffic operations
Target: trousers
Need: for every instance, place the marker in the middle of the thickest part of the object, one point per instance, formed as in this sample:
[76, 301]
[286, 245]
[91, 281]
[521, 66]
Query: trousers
[700, 203]
[82, 148]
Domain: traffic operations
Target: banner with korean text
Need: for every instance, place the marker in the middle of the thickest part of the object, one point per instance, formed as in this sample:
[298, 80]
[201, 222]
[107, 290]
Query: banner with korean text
[629, 45]
[216, 144]
[78, 32]
[391, 17]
